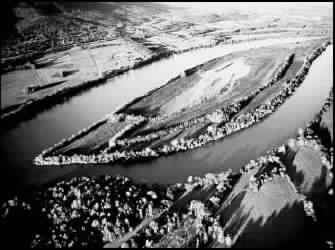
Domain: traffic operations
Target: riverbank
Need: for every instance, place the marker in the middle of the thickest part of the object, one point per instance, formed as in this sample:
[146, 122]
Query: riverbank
[216, 132]
[37, 104]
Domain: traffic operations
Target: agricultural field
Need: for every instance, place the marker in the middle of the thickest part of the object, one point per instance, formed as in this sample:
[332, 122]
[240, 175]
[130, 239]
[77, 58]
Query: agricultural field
[68, 69]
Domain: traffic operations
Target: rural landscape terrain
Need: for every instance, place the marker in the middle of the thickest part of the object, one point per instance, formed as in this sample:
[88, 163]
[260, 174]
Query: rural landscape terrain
[140, 125]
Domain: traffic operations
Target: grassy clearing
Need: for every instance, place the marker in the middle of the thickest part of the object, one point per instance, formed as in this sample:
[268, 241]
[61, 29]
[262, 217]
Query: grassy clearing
[307, 172]
[93, 140]
[246, 214]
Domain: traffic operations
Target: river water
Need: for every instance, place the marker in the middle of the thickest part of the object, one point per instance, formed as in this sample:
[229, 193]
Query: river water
[22, 143]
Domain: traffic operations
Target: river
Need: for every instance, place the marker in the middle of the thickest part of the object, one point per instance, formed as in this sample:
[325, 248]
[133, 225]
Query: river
[22, 143]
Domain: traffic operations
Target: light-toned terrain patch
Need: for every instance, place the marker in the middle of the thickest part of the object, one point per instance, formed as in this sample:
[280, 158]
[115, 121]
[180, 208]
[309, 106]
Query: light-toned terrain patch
[249, 213]
[211, 84]
[308, 172]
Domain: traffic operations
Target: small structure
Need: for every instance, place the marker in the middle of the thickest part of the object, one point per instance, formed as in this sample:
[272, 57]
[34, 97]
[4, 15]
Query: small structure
[229, 241]
[217, 116]
[174, 143]
[291, 144]
[301, 132]
[111, 142]
[211, 129]
[31, 89]
[182, 74]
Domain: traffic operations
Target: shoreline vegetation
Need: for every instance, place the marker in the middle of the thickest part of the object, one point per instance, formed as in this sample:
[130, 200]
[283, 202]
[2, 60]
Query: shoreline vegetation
[225, 127]
[191, 214]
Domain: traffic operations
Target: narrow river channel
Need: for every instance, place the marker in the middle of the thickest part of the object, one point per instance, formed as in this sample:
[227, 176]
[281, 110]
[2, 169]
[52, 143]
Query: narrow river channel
[22, 143]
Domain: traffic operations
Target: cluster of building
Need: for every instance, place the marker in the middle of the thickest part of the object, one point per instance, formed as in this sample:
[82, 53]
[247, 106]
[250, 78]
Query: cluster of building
[55, 34]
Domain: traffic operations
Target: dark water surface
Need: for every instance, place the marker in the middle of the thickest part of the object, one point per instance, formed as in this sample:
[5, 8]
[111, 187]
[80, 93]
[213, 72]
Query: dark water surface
[21, 144]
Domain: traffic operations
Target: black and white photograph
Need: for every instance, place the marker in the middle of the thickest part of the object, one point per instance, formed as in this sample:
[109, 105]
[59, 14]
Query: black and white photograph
[166, 124]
